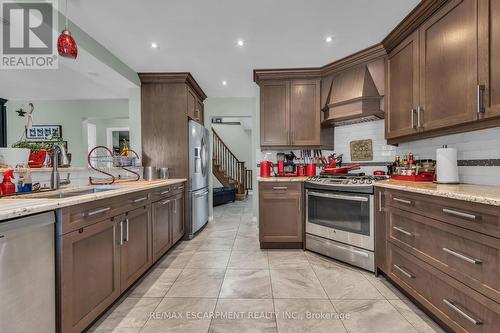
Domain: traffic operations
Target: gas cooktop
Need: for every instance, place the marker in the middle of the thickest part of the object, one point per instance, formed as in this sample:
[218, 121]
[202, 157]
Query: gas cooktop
[351, 182]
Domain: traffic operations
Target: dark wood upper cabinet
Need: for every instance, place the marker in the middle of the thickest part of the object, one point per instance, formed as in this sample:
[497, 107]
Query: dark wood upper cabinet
[402, 93]
[136, 249]
[275, 113]
[90, 270]
[489, 56]
[449, 66]
[304, 112]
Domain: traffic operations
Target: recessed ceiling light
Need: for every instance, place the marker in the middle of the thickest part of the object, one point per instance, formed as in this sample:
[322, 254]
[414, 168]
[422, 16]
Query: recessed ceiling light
[154, 45]
[224, 83]
[329, 39]
[241, 42]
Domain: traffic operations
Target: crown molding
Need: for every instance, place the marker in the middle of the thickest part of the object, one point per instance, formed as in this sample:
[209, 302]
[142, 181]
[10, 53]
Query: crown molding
[180, 77]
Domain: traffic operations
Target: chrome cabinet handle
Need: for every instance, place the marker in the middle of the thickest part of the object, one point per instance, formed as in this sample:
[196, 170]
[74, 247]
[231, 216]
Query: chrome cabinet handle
[280, 188]
[404, 272]
[419, 117]
[164, 202]
[139, 199]
[380, 201]
[98, 211]
[121, 233]
[461, 312]
[408, 202]
[165, 192]
[459, 214]
[461, 256]
[412, 118]
[337, 196]
[480, 103]
[126, 230]
[407, 233]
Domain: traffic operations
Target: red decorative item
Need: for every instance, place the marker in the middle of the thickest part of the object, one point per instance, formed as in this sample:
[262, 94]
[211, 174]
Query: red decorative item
[37, 158]
[423, 177]
[66, 45]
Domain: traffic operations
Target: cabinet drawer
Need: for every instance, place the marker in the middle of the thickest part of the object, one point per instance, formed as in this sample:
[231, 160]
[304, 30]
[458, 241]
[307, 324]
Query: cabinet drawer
[468, 256]
[163, 192]
[460, 307]
[80, 216]
[469, 215]
[280, 187]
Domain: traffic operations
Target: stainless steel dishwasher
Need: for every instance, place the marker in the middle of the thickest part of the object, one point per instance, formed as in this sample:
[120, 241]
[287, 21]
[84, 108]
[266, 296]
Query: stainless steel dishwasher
[27, 274]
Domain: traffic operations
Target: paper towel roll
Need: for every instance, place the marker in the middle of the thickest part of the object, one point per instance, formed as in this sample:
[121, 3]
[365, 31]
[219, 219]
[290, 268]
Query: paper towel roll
[447, 165]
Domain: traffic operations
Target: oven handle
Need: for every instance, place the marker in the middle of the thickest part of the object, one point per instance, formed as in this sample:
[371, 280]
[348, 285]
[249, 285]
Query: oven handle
[337, 196]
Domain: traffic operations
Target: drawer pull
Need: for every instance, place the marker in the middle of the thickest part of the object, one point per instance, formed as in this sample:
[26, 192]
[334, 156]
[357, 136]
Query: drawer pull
[280, 188]
[455, 308]
[407, 202]
[126, 230]
[97, 211]
[459, 214]
[404, 272]
[165, 192]
[461, 256]
[403, 231]
[379, 201]
[139, 199]
[121, 234]
[164, 202]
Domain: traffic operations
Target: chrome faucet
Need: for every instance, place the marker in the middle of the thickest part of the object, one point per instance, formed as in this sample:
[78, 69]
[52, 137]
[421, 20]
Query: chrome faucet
[55, 179]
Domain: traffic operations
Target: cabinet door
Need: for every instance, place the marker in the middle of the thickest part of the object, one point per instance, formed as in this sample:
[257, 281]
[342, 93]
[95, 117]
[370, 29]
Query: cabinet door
[90, 274]
[177, 211]
[274, 113]
[448, 65]
[381, 260]
[280, 212]
[135, 253]
[305, 113]
[161, 225]
[191, 103]
[489, 55]
[199, 111]
[402, 89]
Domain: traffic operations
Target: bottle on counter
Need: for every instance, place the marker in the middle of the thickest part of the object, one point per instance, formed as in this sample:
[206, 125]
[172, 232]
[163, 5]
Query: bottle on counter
[24, 184]
[7, 186]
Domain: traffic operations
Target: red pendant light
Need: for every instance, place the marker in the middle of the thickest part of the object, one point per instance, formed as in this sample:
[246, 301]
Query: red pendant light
[66, 44]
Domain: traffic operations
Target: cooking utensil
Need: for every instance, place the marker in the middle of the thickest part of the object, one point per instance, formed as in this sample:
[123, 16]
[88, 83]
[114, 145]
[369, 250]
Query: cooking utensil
[334, 171]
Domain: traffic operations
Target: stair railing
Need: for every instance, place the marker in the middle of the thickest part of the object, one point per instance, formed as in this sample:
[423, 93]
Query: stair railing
[232, 167]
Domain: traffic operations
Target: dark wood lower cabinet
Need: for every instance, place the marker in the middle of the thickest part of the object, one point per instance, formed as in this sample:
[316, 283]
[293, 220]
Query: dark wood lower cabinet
[281, 214]
[101, 260]
[135, 254]
[90, 274]
[428, 248]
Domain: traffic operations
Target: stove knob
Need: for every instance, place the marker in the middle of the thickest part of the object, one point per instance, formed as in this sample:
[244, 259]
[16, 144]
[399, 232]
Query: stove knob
[354, 181]
[368, 181]
[361, 181]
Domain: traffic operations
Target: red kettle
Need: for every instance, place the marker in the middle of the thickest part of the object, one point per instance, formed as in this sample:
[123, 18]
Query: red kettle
[265, 168]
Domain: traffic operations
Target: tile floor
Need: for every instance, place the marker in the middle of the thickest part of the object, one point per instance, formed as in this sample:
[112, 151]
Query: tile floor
[221, 281]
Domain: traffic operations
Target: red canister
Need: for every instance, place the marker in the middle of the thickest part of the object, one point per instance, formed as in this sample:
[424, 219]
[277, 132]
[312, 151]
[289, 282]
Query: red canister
[265, 168]
[310, 169]
[300, 171]
[281, 168]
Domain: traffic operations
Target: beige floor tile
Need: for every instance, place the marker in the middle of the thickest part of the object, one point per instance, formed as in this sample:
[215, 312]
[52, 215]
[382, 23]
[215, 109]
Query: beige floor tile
[129, 313]
[293, 259]
[341, 283]
[250, 244]
[116, 330]
[197, 283]
[383, 286]
[421, 322]
[372, 316]
[175, 260]
[217, 244]
[209, 259]
[254, 315]
[307, 315]
[242, 283]
[244, 260]
[296, 283]
[184, 321]
[156, 283]
[325, 262]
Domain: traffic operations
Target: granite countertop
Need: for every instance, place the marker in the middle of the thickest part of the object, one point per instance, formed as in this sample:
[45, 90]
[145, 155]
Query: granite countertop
[489, 195]
[282, 179]
[35, 203]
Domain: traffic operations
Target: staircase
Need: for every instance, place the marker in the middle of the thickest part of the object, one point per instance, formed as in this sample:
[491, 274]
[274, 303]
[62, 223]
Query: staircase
[230, 171]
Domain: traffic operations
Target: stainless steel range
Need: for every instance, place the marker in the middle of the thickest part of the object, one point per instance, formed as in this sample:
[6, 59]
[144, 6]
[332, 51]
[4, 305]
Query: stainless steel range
[340, 217]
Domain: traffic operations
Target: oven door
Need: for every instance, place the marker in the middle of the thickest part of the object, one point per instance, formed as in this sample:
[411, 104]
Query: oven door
[342, 217]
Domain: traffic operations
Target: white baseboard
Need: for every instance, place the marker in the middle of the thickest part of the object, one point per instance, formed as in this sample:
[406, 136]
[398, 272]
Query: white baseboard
[210, 218]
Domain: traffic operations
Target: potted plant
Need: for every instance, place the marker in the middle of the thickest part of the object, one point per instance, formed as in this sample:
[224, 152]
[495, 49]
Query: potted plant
[37, 152]
[16, 156]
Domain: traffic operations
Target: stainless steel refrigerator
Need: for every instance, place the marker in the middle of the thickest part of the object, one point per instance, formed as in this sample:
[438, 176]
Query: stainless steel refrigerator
[198, 176]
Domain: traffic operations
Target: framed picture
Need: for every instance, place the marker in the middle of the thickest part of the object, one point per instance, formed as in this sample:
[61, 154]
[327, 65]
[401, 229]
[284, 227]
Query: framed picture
[362, 150]
[44, 132]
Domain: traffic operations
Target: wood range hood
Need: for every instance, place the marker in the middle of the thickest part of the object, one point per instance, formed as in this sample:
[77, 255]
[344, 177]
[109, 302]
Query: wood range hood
[353, 98]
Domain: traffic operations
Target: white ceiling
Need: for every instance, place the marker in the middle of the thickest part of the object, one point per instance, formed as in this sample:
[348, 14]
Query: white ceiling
[85, 78]
[200, 36]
